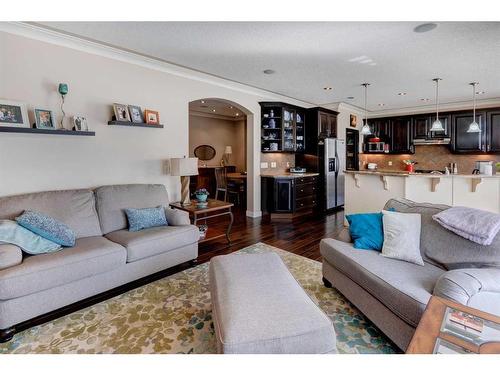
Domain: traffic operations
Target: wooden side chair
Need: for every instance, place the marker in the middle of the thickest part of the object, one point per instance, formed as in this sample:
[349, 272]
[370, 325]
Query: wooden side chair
[224, 187]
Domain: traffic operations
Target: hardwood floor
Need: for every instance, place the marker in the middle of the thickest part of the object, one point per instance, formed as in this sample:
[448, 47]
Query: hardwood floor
[299, 237]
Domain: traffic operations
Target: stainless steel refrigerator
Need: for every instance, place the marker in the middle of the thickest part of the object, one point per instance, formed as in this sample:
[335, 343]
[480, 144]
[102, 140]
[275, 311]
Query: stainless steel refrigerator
[334, 160]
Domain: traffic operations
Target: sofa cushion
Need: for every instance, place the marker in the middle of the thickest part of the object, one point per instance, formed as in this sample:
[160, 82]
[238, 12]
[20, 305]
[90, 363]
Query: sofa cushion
[444, 248]
[75, 208]
[153, 241]
[114, 199]
[404, 288]
[47, 227]
[90, 256]
[10, 255]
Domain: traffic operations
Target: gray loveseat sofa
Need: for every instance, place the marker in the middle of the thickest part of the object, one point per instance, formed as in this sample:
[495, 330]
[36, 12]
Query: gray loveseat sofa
[393, 294]
[106, 254]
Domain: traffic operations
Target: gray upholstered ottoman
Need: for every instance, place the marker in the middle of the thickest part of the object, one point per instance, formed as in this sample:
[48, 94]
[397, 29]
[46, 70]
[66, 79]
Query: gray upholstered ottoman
[258, 307]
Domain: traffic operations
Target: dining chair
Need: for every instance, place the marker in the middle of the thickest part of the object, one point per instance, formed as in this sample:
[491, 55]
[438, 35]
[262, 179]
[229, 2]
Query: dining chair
[223, 186]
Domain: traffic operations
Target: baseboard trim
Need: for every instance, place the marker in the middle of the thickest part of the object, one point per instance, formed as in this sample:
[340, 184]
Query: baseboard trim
[253, 214]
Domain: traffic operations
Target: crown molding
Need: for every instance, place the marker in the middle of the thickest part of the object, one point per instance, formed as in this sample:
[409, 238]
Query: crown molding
[215, 116]
[48, 35]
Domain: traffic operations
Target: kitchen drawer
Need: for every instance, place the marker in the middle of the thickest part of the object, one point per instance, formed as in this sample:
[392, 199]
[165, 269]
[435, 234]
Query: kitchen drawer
[305, 190]
[306, 180]
[305, 203]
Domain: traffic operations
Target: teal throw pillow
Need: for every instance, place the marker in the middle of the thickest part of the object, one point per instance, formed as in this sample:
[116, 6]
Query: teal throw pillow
[143, 218]
[29, 242]
[367, 230]
[47, 227]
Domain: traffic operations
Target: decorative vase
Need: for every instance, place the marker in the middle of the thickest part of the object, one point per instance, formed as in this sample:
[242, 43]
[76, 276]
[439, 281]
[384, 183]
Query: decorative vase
[410, 168]
[202, 197]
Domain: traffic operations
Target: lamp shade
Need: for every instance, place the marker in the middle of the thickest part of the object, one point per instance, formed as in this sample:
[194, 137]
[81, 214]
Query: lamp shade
[184, 166]
[228, 150]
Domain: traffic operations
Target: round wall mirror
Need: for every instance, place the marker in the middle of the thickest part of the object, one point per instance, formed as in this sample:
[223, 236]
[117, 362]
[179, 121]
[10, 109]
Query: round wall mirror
[204, 152]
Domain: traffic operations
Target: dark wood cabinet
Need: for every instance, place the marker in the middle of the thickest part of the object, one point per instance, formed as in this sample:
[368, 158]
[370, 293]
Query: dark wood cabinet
[445, 120]
[381, 128]
[321, 123]
[287, 198]
[422, 126]
[493, 132]
[282, 127]
[401, 136]
[463, 142]
[352, 149]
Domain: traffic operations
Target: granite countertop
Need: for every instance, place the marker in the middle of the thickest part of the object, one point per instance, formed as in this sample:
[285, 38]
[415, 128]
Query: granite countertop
[288, 174]
[381, 172]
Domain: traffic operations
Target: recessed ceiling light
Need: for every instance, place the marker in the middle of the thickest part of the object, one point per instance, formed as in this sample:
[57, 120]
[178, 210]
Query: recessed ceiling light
[327, 88]
[424, 99]
[231, 107]
[381, 104]
[358, 58]
[269, 71]
[213, 110]
[425, 27]
[237, 114]
[350, 97]
[481, 92]
[202, 102]
[401, 93]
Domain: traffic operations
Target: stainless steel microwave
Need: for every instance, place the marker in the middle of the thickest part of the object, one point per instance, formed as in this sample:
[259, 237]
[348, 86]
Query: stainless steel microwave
[374, 146]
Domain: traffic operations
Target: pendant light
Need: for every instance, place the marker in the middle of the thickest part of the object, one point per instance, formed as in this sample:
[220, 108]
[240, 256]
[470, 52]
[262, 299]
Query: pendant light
[365, 130]
[474, 126]
[437, 126]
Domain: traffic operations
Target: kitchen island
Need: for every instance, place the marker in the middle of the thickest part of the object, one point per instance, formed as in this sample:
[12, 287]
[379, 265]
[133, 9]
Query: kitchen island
[368, 191]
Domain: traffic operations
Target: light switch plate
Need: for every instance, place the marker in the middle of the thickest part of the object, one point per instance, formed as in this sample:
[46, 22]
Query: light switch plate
[273, 164]
[264, 165]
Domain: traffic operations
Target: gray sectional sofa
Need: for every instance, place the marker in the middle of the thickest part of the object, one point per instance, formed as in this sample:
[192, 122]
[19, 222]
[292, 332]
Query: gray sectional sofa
[393, 294]
[106, 254]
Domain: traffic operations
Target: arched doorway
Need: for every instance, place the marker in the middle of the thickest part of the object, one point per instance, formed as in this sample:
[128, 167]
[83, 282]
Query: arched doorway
[227, 127]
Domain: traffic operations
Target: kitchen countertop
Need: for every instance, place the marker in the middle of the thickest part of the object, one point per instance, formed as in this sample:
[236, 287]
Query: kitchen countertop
[380, 172]
[288, 174]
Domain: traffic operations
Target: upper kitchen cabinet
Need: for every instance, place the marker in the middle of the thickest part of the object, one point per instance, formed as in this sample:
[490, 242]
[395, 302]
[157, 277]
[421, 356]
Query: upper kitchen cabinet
[464, 142]
[401, 136]
[422, 125]
[282, 128]
[381, 128]
[321, 123]
[493, 132]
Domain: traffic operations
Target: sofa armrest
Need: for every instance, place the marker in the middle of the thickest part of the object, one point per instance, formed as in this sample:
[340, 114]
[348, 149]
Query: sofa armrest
[464, 285]
[10, 255]
[177, 217]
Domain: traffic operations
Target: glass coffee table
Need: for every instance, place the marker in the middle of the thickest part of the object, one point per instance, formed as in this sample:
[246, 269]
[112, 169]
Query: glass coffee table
[213, 209]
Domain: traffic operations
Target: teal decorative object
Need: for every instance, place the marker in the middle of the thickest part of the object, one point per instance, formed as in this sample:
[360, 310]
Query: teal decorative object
[201, 195]
[63, 90]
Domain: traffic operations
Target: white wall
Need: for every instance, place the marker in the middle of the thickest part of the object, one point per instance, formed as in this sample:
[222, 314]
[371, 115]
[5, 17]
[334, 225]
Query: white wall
[33, 64]
[219, 133]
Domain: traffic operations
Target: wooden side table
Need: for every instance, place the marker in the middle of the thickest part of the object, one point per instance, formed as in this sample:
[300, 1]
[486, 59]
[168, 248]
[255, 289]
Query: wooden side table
[429, 329]
[215, 208]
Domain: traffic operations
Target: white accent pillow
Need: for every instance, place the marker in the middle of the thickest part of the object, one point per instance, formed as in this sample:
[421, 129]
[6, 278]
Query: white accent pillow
[402, 236]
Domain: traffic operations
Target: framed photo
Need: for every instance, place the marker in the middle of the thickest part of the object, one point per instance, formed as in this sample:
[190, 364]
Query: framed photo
[14, 114]
[354, 121]
[136, 114]
[44, 119]
[152, 117]
[121, 112]
[80, 123]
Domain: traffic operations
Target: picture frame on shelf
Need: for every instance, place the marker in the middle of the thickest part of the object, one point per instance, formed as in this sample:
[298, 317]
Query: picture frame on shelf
[353, 121]
[80, 124]
[44, 119]
[121, 112]
[136, 114]
[14, 114]
[152, 117]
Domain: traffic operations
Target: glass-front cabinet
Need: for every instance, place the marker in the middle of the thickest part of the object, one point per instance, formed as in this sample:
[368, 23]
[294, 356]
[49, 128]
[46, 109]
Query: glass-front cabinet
[283, 128]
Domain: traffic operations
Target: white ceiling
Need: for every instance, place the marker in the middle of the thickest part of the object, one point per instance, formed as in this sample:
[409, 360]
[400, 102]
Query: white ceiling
[218, 108]
[308, 56]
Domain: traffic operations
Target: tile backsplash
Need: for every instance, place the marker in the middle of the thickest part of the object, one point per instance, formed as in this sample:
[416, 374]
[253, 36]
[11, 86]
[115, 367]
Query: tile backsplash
[281, 161]
[435, 157]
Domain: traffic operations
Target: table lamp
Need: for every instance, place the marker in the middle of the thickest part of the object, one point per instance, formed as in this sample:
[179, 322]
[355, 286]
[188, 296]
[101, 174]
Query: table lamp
[227, 154]
[184, 167]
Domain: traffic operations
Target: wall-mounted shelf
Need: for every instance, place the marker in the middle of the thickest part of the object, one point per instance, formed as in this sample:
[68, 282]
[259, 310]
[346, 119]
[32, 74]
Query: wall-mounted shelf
[134, 124]
[13, 129]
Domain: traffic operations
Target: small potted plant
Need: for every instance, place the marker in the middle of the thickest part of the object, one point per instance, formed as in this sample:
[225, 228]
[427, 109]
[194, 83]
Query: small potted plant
[201, 195]
[410, 165]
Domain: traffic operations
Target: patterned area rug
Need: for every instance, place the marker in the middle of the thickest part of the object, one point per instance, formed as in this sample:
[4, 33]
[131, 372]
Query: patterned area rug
[173, 315]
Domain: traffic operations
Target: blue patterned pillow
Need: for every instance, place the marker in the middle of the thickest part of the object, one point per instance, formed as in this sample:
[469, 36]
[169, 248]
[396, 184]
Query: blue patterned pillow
[47, 227]
[143, 218]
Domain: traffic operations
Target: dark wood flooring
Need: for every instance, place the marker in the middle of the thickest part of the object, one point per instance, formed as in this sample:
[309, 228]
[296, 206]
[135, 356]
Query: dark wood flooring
[299, 237]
